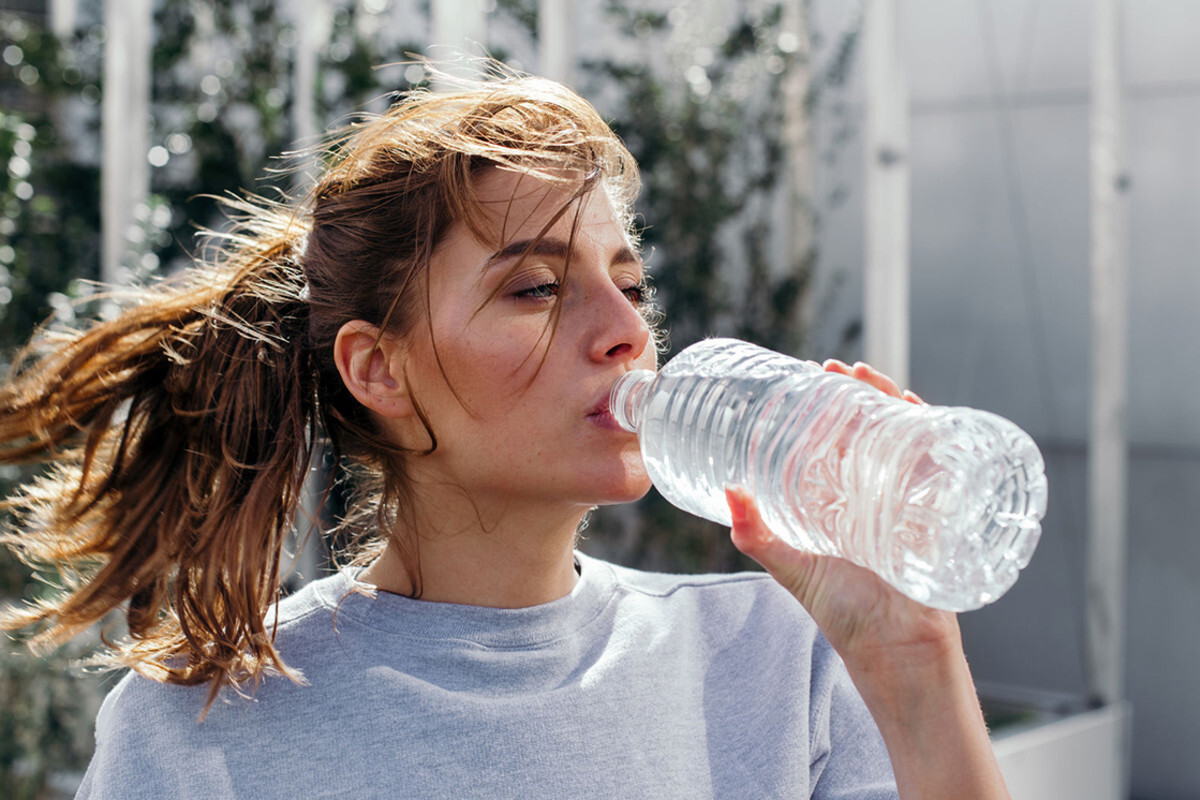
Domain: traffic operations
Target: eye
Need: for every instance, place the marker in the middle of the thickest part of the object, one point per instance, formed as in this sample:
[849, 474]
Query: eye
[638, 294]
[543, 291]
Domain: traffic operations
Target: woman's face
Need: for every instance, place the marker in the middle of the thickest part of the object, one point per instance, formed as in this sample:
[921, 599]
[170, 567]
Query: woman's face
[521, 412]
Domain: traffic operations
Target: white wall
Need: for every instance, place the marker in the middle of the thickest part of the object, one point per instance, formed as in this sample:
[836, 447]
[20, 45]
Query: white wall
[1000, 318]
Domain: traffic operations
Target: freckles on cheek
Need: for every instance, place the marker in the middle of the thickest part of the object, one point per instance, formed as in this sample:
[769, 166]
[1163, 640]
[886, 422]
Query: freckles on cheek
[469, 365]
[497, 353]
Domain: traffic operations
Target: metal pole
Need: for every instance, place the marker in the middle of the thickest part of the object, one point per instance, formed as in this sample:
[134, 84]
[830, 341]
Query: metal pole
[556, 40]
[313, 20]
[796, 43]
[62, 17]
[125, 172]
[886, 271]
[459, 31]
[1107, 451]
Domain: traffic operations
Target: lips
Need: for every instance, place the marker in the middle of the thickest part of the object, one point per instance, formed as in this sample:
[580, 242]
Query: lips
[601, 415]
[606, 420]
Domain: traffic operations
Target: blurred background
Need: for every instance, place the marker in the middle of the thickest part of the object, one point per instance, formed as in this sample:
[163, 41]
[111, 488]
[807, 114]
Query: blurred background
[996, 201]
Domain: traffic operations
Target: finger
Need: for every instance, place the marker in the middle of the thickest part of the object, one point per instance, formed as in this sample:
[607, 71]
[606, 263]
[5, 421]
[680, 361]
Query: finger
[790, 567]
[869, 375]
[834, 365]
[912, 397]
[750, 534]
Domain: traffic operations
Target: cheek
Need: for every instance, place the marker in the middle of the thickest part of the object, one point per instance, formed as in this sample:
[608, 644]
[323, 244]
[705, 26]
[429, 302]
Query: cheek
[488, 371]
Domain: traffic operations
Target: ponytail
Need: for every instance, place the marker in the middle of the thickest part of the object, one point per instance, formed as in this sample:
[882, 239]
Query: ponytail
[180, 435]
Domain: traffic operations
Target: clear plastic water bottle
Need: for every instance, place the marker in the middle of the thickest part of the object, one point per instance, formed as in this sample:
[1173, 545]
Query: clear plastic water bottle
[942, 503]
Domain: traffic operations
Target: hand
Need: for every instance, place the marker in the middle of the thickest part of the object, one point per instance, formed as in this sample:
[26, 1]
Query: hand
[867, 621]
[906, 659]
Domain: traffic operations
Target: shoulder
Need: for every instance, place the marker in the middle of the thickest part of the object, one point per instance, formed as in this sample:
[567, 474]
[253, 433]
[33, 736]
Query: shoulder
[146, 730]
[746, 606]
[760, 658]
[136, 731]
[716, 589]
[747, 615]
[665, 583]
[314, 603]
[303, 626]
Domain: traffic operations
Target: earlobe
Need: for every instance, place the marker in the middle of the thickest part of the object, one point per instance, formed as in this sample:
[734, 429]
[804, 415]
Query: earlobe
[372, 368]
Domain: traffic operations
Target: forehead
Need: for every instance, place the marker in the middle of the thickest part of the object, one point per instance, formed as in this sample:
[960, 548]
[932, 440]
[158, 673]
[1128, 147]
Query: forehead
[517, 206]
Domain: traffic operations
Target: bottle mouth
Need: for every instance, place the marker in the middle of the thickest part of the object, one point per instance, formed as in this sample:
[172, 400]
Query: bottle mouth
[627, 398]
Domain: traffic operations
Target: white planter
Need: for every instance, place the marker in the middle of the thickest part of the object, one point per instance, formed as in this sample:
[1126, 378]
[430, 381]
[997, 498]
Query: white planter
[1084, 756]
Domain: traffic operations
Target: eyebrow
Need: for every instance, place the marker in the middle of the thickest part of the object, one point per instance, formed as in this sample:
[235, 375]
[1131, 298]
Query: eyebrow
[550, 248]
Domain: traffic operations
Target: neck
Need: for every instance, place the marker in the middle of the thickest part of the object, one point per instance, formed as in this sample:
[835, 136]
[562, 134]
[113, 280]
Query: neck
[514, 559]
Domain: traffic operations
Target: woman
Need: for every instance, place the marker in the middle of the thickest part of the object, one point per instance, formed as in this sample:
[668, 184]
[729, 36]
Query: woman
[450, 307]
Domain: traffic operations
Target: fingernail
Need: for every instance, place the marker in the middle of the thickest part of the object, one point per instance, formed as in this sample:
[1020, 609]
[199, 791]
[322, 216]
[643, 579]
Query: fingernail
[737, 505]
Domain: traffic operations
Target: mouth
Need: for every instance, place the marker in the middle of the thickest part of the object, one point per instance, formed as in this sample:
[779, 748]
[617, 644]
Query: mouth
[601, 415]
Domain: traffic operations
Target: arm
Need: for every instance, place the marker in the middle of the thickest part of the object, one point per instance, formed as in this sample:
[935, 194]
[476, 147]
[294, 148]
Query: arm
[933, 727]
[905, 659]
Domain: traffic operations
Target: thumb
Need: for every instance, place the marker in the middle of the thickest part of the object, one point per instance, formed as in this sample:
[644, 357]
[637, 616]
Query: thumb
[794, 569]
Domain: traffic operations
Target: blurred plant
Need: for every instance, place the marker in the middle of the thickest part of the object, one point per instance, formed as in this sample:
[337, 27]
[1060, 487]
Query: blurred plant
[46, 725]
[698, 107]
[221, 108]
[49, 241]
[707, 128]
[706, 122]
[224, 96]
[49, 217]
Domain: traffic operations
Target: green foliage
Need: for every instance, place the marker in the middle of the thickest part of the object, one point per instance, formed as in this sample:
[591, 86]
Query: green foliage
[49, 217]
[221, 104]
[524, 12]
[49, 240]
[46, 723]
[707, 130]
[706, 126]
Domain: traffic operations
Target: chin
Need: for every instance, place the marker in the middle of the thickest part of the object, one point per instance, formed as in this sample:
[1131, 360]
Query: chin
[631, 491]
[623, 480]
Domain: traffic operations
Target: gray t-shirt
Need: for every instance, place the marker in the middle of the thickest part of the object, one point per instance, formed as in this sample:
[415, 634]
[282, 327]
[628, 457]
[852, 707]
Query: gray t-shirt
[636, 685]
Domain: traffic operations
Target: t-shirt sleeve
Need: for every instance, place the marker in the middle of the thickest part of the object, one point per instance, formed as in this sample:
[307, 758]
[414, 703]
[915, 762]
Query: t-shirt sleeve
[850, 761]
[141, 749]
[120, 767]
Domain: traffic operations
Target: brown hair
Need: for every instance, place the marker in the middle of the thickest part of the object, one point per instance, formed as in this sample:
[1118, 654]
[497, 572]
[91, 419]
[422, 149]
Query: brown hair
[179, 434]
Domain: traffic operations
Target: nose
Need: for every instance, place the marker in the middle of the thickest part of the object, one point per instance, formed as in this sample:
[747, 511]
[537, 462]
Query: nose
[619, 331]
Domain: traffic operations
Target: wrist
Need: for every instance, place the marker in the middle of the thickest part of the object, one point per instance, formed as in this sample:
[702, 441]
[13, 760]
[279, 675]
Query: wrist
[925, 705]
[912, 680]
[930, 651]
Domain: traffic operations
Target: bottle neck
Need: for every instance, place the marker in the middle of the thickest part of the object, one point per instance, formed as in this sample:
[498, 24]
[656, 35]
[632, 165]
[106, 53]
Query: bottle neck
[628, 398]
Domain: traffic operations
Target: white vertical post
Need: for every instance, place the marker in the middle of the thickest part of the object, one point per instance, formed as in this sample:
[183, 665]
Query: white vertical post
[556, 40]
[313, 21]
[309, 39]
[886, 278]
[796, 43]
[125, 172]
[1107, 452]
[62, 17]
[458, 27]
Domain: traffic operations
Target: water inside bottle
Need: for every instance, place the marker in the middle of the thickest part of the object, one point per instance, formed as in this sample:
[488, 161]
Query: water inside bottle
[942, 503]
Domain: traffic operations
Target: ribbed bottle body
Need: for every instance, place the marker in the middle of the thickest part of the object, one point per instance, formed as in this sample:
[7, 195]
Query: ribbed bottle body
[943, 503]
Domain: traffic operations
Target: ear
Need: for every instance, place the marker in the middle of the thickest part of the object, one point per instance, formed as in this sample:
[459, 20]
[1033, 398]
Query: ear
[372, 367]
